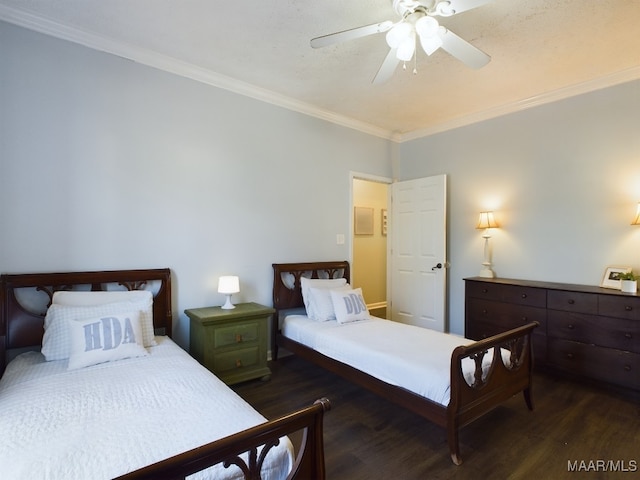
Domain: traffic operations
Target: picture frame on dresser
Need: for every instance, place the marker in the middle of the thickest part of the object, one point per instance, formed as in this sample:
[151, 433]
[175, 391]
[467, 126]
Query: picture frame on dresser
[611, 278]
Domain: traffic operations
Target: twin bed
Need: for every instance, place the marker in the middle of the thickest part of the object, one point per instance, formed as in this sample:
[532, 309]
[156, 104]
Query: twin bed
[449, 380]
[157, 413]
[154, 413]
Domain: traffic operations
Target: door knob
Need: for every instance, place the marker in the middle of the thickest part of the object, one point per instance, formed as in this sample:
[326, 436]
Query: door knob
[439, 265]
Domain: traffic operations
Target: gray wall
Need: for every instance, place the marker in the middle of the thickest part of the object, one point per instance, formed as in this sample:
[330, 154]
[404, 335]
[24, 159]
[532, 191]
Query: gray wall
[109, 164]
[563, 179]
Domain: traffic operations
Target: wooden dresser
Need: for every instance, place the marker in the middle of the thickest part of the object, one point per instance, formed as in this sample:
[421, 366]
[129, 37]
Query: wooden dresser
[587, 331]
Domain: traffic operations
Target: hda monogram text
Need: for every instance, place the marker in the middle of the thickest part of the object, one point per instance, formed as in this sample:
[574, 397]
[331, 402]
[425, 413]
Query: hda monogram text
[108, 333]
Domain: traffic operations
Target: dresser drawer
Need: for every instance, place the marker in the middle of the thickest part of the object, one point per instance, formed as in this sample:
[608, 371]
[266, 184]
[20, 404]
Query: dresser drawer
[505, 316]
[619, 306]
[236, 333]
[236, 360]
[600, 363]
[572, 301]
[520, 295]
[603, 331]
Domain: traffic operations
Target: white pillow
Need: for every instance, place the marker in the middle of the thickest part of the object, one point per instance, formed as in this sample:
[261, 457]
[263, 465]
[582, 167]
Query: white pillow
[105, 339]
[307, 283]
[140, 299]
[349, 305]
[322, 304]
[56, 342]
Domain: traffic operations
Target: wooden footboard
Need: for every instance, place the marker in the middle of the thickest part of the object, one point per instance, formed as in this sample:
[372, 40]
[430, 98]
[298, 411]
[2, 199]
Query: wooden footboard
[490, 386]
[309, 461]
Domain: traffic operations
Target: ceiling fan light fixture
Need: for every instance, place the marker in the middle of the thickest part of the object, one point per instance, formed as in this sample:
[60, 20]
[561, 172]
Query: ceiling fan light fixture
[427, 26]
[430, 44]
[407, 47]
[398, 33]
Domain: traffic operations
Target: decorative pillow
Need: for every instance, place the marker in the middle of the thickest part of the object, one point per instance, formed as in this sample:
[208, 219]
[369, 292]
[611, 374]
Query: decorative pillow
[349, 305]
[307, 283]
[105, 339]
[56, 342]
[139, 300]
[322, 304]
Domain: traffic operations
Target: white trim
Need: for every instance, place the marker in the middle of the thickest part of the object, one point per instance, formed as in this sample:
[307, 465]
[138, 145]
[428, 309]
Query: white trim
[623, 76]
[184, 69]
[377, 305]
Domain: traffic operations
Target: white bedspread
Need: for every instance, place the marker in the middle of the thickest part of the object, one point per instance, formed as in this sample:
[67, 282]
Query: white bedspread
[109, 419]
[414, 358]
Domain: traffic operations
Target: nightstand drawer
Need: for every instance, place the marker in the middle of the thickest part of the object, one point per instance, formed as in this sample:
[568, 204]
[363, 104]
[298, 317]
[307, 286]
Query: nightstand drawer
[235, 334]
[237, 359]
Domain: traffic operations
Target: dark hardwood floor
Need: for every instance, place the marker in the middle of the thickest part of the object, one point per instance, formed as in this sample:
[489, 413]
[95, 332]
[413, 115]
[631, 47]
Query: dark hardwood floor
[573, 426]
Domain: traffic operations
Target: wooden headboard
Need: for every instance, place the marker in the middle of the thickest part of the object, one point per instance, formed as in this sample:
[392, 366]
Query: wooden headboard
[22, 328]
[287, 292]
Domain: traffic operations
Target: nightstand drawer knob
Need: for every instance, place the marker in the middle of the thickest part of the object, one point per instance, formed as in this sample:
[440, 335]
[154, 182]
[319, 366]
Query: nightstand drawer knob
[628, 308]
[238, 338]
[570, 326]
[570, 356]
[524, 295]
[571, 301]
[628, 336]
[238, 363]
[627, 368]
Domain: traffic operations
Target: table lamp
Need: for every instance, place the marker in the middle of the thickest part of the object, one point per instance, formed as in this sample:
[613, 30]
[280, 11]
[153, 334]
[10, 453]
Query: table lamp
[228, 285]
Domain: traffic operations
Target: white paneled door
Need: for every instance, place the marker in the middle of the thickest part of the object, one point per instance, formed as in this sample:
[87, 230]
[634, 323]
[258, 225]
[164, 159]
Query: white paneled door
[418, 257]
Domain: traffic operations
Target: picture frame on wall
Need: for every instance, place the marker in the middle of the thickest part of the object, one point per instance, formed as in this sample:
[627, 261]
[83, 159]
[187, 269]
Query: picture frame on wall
[611, 278]
[363, 221]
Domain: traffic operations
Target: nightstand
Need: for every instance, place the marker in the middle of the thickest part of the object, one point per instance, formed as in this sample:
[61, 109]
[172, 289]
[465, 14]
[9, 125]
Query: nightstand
[231, 343]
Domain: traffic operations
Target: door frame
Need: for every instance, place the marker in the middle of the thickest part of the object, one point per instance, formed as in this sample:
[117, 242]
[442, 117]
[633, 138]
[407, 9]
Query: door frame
[370, 178]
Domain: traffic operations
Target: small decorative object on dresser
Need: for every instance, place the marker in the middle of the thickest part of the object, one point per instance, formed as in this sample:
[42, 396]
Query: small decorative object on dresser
[612, 277]
[231, 343]
[628, 282]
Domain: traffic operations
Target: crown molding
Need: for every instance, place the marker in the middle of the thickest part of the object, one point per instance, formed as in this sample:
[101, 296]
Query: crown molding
[606, 81]
[184, 69]
[178, 67]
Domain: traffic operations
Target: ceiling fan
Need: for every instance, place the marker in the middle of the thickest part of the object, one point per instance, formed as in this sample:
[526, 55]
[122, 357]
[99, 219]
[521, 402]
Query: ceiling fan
[416, 24]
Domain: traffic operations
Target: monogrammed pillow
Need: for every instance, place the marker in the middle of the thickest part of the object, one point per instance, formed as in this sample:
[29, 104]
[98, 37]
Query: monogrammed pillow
[349, 305]
[105, 339]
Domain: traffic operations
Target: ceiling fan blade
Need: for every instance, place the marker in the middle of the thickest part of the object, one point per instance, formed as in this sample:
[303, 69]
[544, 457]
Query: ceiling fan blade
[387, 68]
[459, 6]
[351, 34]
[461, 49]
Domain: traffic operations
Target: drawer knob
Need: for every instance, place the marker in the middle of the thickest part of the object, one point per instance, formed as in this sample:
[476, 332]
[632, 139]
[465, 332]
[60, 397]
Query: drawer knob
[570, 356]
[570, 326]
[571, 301]
[484, 312]
[524, 295]
[627, 368]
[524, 319]
[484, 290]
[628, 308]
[238, 363]
[238, 338]
[628, 336]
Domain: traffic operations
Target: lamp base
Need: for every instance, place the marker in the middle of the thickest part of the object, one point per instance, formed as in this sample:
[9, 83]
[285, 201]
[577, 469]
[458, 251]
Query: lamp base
[228, 305]
[487, 273]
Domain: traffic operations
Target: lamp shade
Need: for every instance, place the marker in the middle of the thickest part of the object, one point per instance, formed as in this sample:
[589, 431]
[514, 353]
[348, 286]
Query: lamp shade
[636, 221]
[486, 220]
[228, 284]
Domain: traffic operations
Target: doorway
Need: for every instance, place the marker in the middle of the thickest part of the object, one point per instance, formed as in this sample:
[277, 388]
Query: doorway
[369, 213]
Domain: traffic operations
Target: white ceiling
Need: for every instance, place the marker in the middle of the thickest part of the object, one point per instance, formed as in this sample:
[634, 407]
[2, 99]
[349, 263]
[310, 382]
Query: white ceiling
[542, 50]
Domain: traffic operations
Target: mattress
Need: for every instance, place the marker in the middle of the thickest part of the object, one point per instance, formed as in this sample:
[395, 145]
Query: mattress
[417, 359]
[108, 419]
